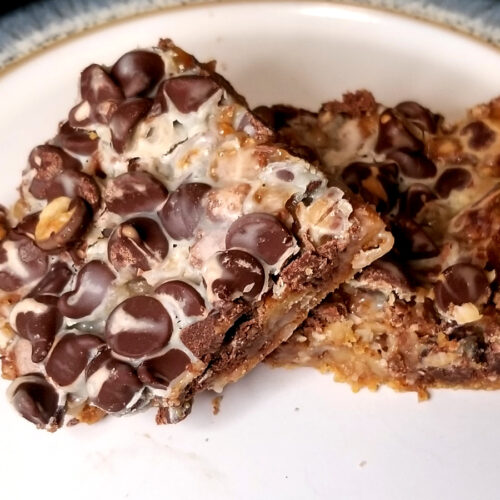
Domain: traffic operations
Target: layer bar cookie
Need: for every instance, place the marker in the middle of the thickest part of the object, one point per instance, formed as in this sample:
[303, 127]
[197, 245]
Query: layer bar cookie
[163, 244]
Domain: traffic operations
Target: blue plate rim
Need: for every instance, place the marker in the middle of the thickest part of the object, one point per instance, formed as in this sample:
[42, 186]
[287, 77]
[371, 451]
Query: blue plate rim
[30, 30]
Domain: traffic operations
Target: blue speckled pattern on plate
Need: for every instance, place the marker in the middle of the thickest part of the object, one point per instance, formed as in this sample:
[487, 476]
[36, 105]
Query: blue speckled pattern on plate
[26, 30]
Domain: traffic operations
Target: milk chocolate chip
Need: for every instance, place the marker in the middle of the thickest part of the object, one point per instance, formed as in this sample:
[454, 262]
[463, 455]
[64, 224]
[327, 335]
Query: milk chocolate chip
[387, 271]
[111, 384]
[189, 92]
[21, 262]
[97, 86]
[261, 234]
[394, 135]
[139, 326]
[414, 199]
[234, 273]
[159, 372]
[54, 281]
[135, 242]
[134, 192]
[48, 161]
[460, 284]
[124, 120]
[285, 175]
[138, 71]
[68, 183]
[413, 164]
[37, 320]
[61, 223]
[452, 178]
[36, 400]
[79, 141]
[92, 283]
[419, 116]
[376, 183]
[183, 210]
[70, 357]
[27, 225]
[480, 135]
[100, 98]
[411, 241]
[189, 299]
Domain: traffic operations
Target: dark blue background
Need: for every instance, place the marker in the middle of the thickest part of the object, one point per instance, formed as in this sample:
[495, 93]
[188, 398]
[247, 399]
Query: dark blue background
[7, 5]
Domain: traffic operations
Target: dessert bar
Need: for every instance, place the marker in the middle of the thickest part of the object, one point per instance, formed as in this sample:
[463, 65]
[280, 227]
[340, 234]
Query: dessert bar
[426, 315]
[163, 244]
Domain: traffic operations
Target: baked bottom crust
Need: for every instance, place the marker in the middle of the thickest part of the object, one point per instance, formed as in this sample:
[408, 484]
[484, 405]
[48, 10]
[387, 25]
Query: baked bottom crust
[387, 350]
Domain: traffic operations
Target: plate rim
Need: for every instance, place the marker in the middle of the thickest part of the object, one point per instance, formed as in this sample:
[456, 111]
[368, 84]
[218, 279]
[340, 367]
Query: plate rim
[11, 63]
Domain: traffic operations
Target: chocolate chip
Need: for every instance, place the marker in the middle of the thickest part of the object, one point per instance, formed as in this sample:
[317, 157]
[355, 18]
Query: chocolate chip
[134, 192]
[387, 271]
[82, 115]
[100, 95]
[376, 183]
[37, 320]
[460, 284]
[394, 135]
[411, 241]
[160, 102]
[138, 71]
[480, 135]
[124, 120]
[139, 326]
[159, 372]
[261, 234]
[85, 114]
[70, 357]
[279, 116]
[68, 183]
[111, 384]
[27, 225]
[48, 161]
[452, 178]
[21, 262]
[92, 283]
[183, 210]
[471, 340]
[135, 242]
[419, 116]
[234, 273]
[464, 331]
[36, 400]
[414, 164]
[78, 141]
[136, 164]
[414, 198]
[188, 93]
[189, 299]
[285, 175]
[61, 223]
[54, 281]
[97, 86]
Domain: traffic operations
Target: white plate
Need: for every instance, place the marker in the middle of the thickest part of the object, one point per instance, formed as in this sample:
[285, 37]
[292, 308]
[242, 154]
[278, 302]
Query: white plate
[280, 434]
